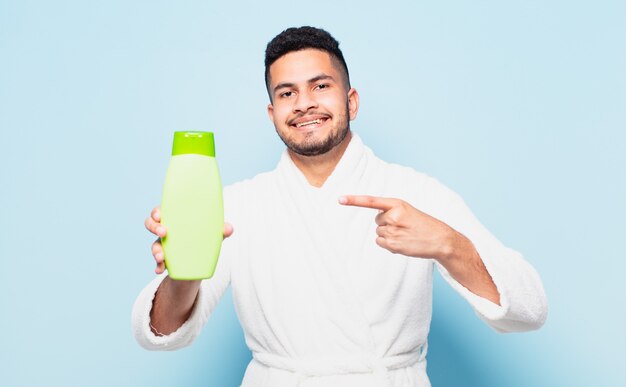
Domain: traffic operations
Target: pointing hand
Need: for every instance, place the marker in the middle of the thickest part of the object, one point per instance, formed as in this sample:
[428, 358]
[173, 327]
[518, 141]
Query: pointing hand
[403, 229]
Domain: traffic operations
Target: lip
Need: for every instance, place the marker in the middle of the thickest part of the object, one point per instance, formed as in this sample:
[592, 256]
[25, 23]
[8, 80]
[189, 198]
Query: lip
[308, 118]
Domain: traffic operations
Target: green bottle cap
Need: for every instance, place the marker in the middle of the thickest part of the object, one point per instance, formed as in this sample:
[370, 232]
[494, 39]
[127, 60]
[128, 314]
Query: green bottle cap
[199, 143]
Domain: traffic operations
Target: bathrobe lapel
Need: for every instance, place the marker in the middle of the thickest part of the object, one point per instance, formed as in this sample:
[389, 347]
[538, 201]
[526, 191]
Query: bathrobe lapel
[334, 237]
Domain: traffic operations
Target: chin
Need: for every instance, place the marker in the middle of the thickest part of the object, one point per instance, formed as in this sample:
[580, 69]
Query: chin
[313, 142]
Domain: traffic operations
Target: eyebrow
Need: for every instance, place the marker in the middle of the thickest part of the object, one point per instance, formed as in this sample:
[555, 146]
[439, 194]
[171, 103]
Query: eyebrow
[317, 78]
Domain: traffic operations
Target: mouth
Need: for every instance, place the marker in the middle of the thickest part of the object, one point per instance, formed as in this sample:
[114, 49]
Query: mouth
[308, 122]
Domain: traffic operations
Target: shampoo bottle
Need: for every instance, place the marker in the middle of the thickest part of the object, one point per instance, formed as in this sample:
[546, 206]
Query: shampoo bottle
[192, 208]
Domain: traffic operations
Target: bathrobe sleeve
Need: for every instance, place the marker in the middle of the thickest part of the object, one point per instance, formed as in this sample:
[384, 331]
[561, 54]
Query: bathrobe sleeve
[523, 301]
[211, 291]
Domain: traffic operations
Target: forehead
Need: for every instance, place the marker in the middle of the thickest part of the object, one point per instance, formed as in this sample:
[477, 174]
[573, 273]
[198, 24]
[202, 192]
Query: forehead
[300, 66]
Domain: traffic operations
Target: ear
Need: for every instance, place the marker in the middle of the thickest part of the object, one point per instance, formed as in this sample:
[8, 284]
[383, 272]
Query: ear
[353, 103]
[270, 112]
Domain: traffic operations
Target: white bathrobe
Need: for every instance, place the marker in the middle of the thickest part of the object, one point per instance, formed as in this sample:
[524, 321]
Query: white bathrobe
[321, 304]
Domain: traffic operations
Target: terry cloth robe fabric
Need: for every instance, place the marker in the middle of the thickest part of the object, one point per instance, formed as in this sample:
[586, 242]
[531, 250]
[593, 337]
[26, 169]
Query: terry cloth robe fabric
[321, 304]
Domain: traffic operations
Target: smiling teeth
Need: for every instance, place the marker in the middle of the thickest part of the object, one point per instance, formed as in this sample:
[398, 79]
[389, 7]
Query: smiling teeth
[308, 123]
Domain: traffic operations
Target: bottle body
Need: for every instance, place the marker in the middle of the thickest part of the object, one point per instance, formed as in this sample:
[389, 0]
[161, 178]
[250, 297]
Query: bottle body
[192, 210]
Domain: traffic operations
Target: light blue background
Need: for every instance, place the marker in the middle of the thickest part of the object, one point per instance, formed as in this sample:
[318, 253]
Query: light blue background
[519, 106]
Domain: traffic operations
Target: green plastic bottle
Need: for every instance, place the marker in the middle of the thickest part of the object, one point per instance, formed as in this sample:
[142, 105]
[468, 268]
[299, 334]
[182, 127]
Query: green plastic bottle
[192, 208]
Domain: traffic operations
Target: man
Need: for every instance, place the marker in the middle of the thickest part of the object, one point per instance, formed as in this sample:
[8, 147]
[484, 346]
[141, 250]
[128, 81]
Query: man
[332, 258]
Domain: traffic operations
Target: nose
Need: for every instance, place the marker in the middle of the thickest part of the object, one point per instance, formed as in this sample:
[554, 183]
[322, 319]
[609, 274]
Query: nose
[304, 102]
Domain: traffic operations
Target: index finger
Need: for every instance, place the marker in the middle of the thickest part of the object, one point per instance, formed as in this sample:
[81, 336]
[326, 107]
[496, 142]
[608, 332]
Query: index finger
[376, 202]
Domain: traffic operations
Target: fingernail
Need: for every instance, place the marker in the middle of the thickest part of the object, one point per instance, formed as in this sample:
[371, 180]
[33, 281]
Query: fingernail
[159, 256]
[343, 200]
[160, 230]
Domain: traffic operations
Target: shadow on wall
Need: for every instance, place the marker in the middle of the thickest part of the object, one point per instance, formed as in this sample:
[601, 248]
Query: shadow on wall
[453, 359]
[449, 363]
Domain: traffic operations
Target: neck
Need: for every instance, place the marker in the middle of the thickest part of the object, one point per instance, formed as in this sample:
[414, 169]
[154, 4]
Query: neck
[316, 169]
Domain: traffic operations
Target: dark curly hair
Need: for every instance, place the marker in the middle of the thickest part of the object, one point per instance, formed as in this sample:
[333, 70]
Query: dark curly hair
[296, 39]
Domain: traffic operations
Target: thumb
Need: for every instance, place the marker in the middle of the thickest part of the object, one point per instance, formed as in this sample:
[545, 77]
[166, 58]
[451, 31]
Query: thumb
[228, 230]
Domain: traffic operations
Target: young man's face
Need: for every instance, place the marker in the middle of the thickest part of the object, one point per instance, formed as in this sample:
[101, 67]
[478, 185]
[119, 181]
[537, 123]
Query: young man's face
[311, 106]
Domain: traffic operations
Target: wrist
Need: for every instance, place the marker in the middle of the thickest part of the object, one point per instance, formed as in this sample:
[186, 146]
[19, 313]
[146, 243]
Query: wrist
[181, 286]
[454, 249]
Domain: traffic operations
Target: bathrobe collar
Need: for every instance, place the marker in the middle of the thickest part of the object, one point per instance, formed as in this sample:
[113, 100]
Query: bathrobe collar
[349, 168]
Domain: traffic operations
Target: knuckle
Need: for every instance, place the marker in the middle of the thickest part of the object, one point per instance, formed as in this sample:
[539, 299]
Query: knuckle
[156, 247]
[393, 245]
[151, 226]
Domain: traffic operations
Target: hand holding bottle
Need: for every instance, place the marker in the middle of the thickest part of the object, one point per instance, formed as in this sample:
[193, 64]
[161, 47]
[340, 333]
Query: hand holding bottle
[153, 224]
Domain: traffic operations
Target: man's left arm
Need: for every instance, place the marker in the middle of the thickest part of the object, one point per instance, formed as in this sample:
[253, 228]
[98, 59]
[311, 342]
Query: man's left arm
[403, 229]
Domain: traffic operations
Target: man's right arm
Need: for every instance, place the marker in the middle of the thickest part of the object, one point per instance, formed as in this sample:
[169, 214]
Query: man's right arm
[167, 303]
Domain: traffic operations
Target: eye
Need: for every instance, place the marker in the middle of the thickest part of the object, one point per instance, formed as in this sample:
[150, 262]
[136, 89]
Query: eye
[322, 86]
[286, 94]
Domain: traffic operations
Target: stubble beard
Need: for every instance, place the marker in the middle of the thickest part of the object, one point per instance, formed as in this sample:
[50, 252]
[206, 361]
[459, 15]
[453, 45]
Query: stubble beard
[310, 147]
